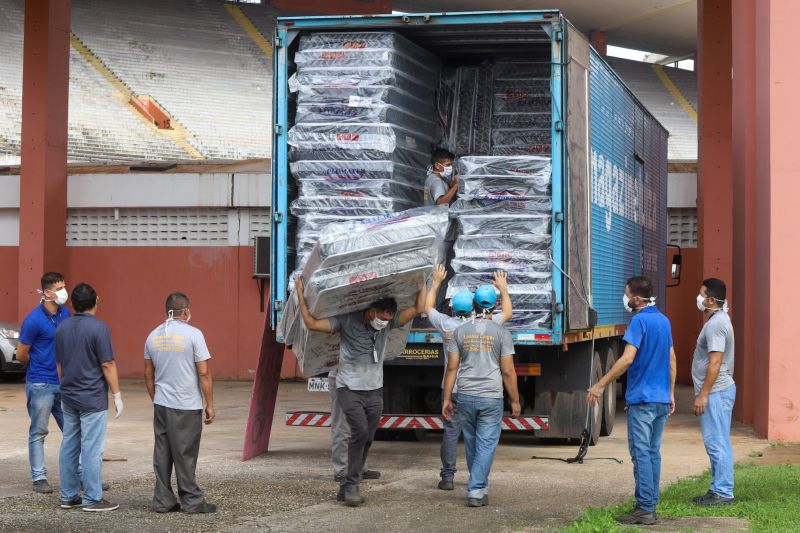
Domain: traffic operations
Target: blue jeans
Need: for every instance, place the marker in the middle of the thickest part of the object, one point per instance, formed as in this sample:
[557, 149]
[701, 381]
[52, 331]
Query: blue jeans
[449, 450]
[83, 442]
[480, 421]
[43, 399]
[715, 423]
[645, 428]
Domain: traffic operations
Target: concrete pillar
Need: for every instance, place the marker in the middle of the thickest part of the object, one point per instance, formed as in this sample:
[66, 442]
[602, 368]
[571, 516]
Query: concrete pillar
[776, 254]
[599, 41]
[743, 143]
[715, 196]
[43, 181]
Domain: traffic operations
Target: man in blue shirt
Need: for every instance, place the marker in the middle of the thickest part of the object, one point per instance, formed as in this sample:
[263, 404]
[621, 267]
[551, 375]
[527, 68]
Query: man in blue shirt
[649, 358]
[42, 391]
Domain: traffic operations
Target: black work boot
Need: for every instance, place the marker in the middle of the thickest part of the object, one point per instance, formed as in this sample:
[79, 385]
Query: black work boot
[445, 484]
[638, 516]
[352, 498]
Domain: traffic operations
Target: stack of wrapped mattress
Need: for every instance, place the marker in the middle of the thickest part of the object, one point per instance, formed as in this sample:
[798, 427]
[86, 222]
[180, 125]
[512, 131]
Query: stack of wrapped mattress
[521, 109]
[504, 219]
[354, 263]
[363, 131]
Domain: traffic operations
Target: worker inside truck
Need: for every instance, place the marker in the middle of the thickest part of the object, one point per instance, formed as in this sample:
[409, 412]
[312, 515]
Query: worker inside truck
[359, 378]
[445, 325]
[441, 185]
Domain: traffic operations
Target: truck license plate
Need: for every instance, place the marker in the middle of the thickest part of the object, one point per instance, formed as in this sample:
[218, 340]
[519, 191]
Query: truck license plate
[318, 384]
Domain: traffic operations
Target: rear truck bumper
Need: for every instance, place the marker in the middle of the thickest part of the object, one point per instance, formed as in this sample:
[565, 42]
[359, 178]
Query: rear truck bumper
[400, 422]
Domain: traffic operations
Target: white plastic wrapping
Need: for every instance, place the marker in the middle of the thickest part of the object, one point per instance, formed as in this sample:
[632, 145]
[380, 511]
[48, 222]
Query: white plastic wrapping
[409, 158]
[355, 171]
[516, 70]
[361, 189]
[354, 207]
[346, 114]
[502, 188]
[358, 136]
[520, 102]
[507, 121]
[520, 246]
[519, 167]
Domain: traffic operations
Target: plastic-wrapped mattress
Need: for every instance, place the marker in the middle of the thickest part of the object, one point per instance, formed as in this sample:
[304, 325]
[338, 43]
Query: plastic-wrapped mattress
[356, 171]
[534, 167]
[409, 158]
[382, 114]
[362, 189]
[358, 136]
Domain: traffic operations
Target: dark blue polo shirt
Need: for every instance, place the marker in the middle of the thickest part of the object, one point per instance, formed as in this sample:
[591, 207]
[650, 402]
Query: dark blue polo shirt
[648, 377]
[38, 332]
[83, 344]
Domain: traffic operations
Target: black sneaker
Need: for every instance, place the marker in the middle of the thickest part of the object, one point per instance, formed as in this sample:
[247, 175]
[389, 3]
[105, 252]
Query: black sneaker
[713, 499]
[174, 509]
[42, 487]
[205, 508]
[370, 474]
[478, 502]
[352, 497]
[75, 502]
[445, 484]
[638, 516]
[101, 506]
[697, 499]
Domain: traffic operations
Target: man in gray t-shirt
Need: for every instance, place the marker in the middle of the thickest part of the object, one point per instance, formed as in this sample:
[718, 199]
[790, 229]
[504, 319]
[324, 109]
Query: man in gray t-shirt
[481, 357]
[441, 186]
[715, 391]
[359, 376]
[446, 325]
[178, 378]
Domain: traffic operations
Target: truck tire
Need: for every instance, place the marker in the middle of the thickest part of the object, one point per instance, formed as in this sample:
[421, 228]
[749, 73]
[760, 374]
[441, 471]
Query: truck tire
[609, 397]
[597, 411]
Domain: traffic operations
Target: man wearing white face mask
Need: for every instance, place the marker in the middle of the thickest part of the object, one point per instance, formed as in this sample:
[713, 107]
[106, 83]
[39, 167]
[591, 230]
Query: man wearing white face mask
[715, 391]
[441, 186]
[649, 359]
[177, 375]
[42, 388]
[359, 379]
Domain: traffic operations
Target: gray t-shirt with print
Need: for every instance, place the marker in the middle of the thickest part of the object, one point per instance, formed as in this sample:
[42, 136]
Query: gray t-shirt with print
[716, 336]
[480, 344]
[446, 325]
[175, 347]
[435, 187]
[361, 351]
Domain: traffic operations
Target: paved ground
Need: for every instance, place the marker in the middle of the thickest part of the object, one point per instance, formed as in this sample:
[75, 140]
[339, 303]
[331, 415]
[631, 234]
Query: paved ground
[291, 489]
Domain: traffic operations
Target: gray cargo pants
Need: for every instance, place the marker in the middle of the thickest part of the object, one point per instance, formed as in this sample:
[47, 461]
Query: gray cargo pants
[177, 444]
[340, 435]
[362, 409]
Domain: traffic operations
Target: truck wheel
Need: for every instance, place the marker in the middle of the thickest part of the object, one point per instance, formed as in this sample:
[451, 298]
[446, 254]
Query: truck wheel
[609, 398]
[597, 411]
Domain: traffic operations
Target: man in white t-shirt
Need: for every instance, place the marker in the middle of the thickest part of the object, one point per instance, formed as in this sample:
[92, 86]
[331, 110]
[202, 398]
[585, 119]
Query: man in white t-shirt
[178, 378]
[445, 325]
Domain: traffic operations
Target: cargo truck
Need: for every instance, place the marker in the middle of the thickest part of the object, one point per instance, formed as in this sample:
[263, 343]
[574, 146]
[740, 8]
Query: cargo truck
[608, 217]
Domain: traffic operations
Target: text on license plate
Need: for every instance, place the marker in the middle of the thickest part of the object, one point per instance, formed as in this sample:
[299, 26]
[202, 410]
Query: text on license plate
[318, 384]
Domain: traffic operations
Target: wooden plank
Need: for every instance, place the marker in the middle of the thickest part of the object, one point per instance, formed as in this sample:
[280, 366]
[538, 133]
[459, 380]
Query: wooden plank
[579, 265]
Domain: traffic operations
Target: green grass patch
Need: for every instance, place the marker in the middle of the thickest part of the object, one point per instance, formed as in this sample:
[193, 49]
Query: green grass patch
[767, 495]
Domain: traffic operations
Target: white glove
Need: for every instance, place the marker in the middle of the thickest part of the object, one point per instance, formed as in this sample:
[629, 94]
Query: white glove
[118, 403]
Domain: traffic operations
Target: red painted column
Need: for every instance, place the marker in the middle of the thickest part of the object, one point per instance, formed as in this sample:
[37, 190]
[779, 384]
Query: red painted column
[43, 181]
[744, 197]
[777, 82]
[714, 190]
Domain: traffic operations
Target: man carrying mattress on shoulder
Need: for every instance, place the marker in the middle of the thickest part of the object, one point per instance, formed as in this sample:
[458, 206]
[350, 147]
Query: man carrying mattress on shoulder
[359, 379]
[461, 305]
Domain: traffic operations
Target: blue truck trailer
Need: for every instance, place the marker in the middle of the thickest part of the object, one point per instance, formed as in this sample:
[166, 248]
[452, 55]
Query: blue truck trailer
[608, 219]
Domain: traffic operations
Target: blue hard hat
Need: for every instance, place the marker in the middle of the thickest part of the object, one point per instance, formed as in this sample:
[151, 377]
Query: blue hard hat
[485, 297]
[462, 302]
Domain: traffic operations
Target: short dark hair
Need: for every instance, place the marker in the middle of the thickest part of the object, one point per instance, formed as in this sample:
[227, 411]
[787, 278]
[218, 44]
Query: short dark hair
[640, 286]
[177, 301]
[50, 279]
[385, 304]
[715, 288]
[84, 297]
[440, 155]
